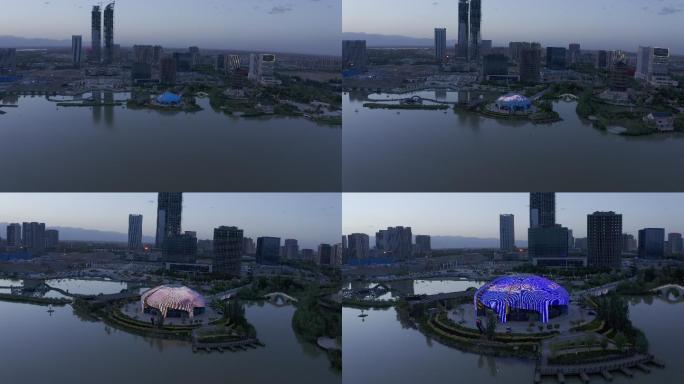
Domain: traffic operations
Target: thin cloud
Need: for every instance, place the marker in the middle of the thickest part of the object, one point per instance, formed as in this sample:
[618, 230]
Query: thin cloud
[280, 9]
[669, 11]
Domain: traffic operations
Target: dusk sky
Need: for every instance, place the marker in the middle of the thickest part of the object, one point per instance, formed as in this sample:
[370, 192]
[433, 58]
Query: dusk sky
[596, 24]
[310, 218]
[303, 26]
[477, 215]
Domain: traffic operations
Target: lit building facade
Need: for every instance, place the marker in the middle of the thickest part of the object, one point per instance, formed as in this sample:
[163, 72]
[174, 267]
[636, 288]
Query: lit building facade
[227, 251]
[604, 239]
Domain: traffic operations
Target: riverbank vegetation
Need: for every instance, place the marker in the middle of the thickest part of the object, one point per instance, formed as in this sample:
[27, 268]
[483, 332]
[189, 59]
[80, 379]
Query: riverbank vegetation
[646, 280]
[312, 321]
[367, 304]
[34, 299]
[295, 97]
[613, 310]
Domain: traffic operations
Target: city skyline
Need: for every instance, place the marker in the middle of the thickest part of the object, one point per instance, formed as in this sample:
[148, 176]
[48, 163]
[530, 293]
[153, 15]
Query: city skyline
[238, 25]
[312, 218]
[588, 23]
[438, 214]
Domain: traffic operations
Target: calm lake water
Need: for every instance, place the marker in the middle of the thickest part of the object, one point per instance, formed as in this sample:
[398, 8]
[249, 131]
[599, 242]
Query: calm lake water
[112, 149]
[379, 349]
[68, 349]
[419, 151]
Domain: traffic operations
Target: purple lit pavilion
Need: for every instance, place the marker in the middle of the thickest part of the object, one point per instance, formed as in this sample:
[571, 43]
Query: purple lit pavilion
[514, 297]
[173, 301]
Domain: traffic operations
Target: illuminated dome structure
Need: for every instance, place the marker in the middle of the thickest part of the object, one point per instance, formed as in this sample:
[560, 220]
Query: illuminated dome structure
[172, 301]
[513, 102]
[515, 297]
[169, 98]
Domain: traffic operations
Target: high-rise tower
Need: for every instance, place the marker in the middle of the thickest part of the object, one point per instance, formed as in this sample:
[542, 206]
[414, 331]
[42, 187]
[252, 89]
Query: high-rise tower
[76, 50]
[507, 232]
[542, 209]
[169, 208]
[96, 42]
[475, 29]
[135, 231]
[227, 250]
[604, 239]
[440, 44]
[109, 34]
[463, 29]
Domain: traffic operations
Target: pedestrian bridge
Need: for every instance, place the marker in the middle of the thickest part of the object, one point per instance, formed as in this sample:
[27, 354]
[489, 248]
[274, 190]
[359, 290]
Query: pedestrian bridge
[280, 298]
[670, 292]
[568, 97]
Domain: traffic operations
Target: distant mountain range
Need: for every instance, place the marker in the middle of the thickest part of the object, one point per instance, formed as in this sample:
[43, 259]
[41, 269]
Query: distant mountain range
[450, 242]
[460, 242]
[22, 42]
[376, 40]
[82, 234]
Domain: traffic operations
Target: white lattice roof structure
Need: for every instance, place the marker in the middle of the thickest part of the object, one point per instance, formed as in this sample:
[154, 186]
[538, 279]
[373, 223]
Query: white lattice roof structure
[177, 297]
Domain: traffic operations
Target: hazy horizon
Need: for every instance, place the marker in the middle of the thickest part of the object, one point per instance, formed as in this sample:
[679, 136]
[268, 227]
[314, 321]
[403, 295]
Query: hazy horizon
[602, 24]
[311, 218]
[249, 25]
[477, 214]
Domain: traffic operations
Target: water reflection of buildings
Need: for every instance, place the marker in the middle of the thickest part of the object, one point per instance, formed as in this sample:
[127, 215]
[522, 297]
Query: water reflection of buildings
[97, 112]
[99, 97]
[440, 94]
[491, 364]
[109, 108]
[12, 99]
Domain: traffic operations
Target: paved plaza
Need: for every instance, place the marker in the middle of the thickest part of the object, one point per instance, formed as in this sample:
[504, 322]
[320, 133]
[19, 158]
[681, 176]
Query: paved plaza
[134, 310]
[465, 315]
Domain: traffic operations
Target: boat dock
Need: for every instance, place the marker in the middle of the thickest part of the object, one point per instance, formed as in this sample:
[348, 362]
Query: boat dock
[231, 346]
[605, 369]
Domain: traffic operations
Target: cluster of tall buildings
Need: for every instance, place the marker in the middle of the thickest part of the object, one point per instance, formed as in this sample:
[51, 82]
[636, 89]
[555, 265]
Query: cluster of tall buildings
[8, 60]
[653, 66]
[469, 30]
[228, 246]
[547, 240]
[97, 54]
[550, 244]
[393, 243]
[31, 237]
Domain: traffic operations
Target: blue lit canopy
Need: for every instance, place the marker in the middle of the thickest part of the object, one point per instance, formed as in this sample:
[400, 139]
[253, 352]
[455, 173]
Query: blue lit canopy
[514, 102]
[521, 292]
[168, 98]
